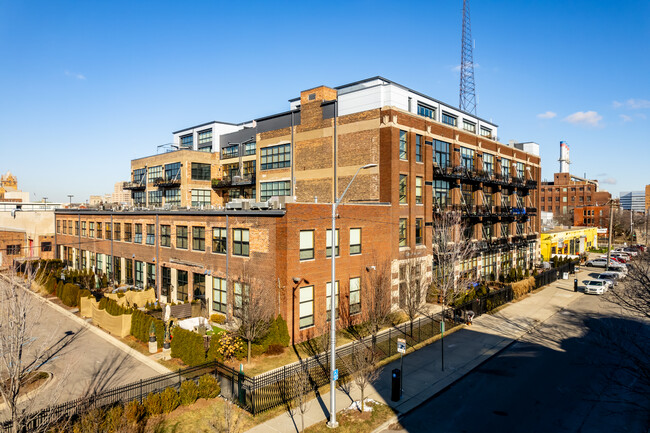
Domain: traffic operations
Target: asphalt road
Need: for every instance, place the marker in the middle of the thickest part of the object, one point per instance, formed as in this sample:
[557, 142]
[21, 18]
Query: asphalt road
[81, 361]
[563, 377]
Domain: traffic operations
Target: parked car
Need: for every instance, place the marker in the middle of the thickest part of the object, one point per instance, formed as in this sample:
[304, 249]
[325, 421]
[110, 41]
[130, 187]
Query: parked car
[595, 287]
[600, 262]
[632, 251]
[612, 277]
[618, 267]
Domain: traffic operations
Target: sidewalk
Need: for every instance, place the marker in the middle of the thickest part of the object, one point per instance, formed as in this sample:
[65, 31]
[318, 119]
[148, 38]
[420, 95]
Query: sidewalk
[465, 349]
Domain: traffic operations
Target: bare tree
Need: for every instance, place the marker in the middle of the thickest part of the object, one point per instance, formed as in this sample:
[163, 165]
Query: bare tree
[412, 286]
[226, 420]
[376, 297]
[633, 294]
[253, 307]
[303, 389]
[362, 366]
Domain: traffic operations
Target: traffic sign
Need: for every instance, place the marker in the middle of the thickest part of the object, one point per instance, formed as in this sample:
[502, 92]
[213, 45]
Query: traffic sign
[335, 374]
[401, 345]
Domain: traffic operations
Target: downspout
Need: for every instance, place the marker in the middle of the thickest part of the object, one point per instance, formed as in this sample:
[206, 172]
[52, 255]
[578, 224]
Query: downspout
[79, 239]
[158, 276]
[228, 318]
[112, 257]
[293, 181]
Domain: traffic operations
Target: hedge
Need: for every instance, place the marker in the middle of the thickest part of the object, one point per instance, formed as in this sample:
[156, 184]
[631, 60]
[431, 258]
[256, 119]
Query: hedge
[113, 308]
[69, 294]
[141, 324]
[188, 346]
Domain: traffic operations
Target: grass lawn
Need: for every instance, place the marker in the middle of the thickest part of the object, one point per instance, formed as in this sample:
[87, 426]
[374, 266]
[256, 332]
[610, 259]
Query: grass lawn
[353, 421]
[215, 330]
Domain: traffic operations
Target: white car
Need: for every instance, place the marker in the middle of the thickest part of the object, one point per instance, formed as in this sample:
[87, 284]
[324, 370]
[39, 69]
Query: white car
[595, 287]
[612, 277]
[599, 262]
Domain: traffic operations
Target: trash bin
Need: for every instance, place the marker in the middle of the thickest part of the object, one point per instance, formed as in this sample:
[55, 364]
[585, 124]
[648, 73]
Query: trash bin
[396, 384]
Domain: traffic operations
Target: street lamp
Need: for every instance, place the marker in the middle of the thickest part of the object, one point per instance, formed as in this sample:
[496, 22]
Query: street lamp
[332, 423]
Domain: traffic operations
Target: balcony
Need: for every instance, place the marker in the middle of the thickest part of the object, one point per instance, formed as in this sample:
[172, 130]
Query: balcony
[229, 181]
[164, 182]
[518, 181]
[445, 172]
[531, 184]
[531, 236]
[531, 210]
[135, 185]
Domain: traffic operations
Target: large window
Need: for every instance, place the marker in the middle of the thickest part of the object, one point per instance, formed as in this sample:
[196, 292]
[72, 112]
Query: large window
[403, 188]
[128, 270]
[488, 163]
[165, 236]
[418, 148]
[181, 237]
[467, 158]
[240, 242]
[328, 299]
[441, 153]
[485, 132]
[219, 295]
[306, 307]
[328, 243]
[155, 173]
[505, 168]
[426, 111]
[230, 151]
[418, 190]
[139, 273]
[76, 228]
[198, 285]
[109, 231]
[488, 194]
[249, 148]
[219, 240]
[200, 171]
[173, 197]
[240, 291]
[355, 241]
[441, 193]
[402, 232]
[200, 198]
[166, 282]
[127, 232]
[205, 137]
[270, 189]
[181, 285]
[155, 198]
[13, 250]
[403, 145]
[139, 198]
[467, 194]
[187, 140]
[449, 119]
[306, 244]
[151, 234]
[173, 171]
[355, 295]
[520, 170]
[151, 275]
[138, 234]
[91, 229]
[198, 238]
[419, 231]
[469, 126]
[99, 230]
[275, 157]
[117, 231]
[139, 175]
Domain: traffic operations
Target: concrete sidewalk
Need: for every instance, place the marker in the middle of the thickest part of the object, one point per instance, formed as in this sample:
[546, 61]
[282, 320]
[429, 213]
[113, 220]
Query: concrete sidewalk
[465, 349]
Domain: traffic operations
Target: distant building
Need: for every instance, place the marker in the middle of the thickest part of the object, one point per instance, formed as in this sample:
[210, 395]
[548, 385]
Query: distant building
[572, 242]
[9, 189]
[592, 216]
[567, 192]
[647, 197]
[633, 200]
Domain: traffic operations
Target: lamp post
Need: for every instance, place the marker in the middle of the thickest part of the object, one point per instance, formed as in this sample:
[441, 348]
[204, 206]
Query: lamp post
[332, 422]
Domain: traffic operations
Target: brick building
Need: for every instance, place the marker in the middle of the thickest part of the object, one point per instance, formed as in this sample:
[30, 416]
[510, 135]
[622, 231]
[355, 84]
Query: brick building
[591, 216]
[567, 192]
[430, 158]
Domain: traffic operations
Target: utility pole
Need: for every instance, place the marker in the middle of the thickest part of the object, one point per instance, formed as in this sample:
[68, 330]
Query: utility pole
[609, 233]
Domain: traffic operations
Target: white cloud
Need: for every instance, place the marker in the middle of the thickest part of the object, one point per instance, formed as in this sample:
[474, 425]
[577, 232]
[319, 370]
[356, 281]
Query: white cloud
[75, 75]
[609, 181]
[547, 115]
[625, 117]
[632, 104]
[589, 118]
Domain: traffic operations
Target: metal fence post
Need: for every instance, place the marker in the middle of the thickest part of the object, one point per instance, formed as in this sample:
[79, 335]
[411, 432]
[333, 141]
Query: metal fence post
[140, 391]
[389, 334]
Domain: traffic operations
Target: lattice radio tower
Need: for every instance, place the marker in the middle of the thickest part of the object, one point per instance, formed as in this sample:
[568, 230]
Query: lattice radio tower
[467, 87]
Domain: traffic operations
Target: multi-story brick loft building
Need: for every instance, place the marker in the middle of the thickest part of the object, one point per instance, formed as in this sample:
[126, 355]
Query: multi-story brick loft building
[567, 192]
[430, 158]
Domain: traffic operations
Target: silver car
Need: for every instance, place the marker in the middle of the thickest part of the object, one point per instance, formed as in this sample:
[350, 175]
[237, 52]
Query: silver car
[595, 287]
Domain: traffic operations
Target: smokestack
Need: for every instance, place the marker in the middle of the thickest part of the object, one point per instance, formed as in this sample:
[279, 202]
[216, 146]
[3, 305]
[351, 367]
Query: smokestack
[564, 157]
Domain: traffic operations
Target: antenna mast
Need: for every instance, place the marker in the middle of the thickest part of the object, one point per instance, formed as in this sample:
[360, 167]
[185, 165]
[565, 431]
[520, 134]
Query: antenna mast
[467, 87]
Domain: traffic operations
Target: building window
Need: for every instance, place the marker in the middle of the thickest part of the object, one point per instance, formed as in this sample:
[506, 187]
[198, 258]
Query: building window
[469, 126]
[467, 158]
[441, 193]
[151, 234]
[449, 119]
[205, 137]
[275, 157]
[441, 153]
[274, 189]
[219, 240]
[488, 163]
[46, 246]
[355, 295]
[403, 180]
[165, 236]
[200, 198]
[306, 307]
[127, 232]
[419, 231]
[418, 148]
[138, 234]
[166, 282]
[219, 295]
[173, 171]
[173, 197]
[402, 232]
[117, 231]
[355, 241]
[198, 238]
[181, 285]
[13, 250]
[151, 276]
[198, 285]
[306, 244]
[155, 173]
[230, 151]
[240, 290]
[425, 111]
[418, 190]
[328, 243]
[520, 170]
[187, 141]
[99, 230]
[505, 230]
[58, 226]
[486, 132]
[505, 168]
[403, 145]
[240, 242]
[109, 232]
[139, 175]
[200, 171]
[70, 227]
[139, 273]
[76, 228]
[249, 148]
[328, 299]
[128, 270]
[467, 195]
[139, 198]
[181, 237]
[91, 229]
[155, 198]
[487, 196]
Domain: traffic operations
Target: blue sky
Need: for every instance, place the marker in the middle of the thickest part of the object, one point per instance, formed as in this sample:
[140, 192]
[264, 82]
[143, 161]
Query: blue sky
[87, 86]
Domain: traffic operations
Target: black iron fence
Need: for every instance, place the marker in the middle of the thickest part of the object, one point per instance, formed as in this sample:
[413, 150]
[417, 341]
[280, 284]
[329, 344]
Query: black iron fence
[278, 387]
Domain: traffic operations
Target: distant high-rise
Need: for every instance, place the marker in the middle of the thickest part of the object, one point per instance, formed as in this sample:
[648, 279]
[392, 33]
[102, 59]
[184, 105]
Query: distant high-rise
[633, 200]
